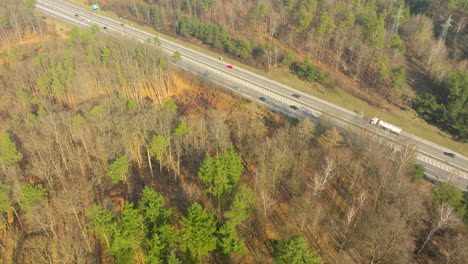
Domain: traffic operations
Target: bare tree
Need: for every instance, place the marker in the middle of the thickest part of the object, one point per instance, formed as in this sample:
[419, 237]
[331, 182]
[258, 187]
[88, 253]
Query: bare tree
[318, 182]
[445, 218]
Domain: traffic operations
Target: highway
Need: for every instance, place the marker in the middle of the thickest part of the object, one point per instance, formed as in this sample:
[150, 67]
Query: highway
[279, 97]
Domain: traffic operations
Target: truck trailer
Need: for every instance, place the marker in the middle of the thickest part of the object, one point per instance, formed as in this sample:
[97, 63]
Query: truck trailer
[380, 123]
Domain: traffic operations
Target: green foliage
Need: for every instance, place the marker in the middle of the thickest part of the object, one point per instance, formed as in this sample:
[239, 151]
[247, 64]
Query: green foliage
[9, 154]
[397, 44]
[5, 198]
[176, 57]
[95, 28]
[308, 72]
[221, 174]
[105, 53]
[173, 259]
[325, 24]
[158, 146]
[90, 54]
[239, 209]
[348, 22]
[74, 34]
[304, 23]
[198, 232]
[131, 105]
[418, 172]
[170, 107]
[118, 169]
[258, 12]
[399, 76]
[154, 14]
[40, 58]
[102, 223]
[129, 235]
[373, 25]
[452, 195]
[31, 195]
[294, 251]
[229, 242]
[181, 129]
[288, 58]
[31, 3]
[451, 110]
[43, 83]
[153, 207]
[157, 41]
[97, 110]
[380, 65]
[77, 122]
[214, 35]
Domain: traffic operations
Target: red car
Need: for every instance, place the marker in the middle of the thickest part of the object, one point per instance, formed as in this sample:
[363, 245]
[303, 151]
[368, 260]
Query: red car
[230, 67]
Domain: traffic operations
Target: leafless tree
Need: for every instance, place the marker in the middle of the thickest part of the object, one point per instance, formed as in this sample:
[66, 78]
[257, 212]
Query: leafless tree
[445, 218]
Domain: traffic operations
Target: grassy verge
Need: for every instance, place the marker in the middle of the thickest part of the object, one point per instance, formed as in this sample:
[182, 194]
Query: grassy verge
[404, 119]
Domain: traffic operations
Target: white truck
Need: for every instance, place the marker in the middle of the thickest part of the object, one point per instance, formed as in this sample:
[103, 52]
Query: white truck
[380, 123]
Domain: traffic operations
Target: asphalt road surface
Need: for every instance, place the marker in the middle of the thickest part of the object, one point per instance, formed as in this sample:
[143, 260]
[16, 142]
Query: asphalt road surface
[278, 96]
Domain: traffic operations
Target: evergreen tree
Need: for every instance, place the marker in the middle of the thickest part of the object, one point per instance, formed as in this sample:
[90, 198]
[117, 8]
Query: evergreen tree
[181, 129]
[153, 208]
[118, 169]
[198, 232]
[173, 259]
[229, 241]
[294, 251]
[77, 122]
[102, 223]
[129, 235]
[239, 209]
[158, 147]
[31, 195]
[325, 24]
[170, 107]
[5, 198]
[9, 154]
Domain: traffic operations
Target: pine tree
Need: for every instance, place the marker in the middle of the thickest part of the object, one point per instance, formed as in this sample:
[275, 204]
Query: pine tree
[153, 208]
[239, 209]
[173, 259]
[229, 241]
[181, 129]
[31, 195]
[5, 198]
[294, 251]
[9, 154]
[158, 148]
[77, 122]
[129, 235]
[102, 223]
[198, 232]
[118, 169]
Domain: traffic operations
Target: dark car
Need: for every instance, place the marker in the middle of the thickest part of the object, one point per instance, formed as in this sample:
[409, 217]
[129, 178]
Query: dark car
[449, 154]
[104, 27]
[262, 99]
[296, 95]
[122, 24]
[294, 107]
[76, 15]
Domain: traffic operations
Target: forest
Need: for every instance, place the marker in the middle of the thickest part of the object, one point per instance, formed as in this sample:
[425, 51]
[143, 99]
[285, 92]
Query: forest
[410, 54]
[111, 154]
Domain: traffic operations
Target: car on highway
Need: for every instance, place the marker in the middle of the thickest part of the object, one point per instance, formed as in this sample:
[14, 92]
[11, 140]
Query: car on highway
[104, 27]
[449, 154]
[294, 107]
[122, 24]
[235, 87]
[229, 67]
[296, 96]
[263, 99]
[76, 15]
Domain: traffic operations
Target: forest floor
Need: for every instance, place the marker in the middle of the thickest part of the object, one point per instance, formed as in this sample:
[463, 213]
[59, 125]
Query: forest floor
[406, 119]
